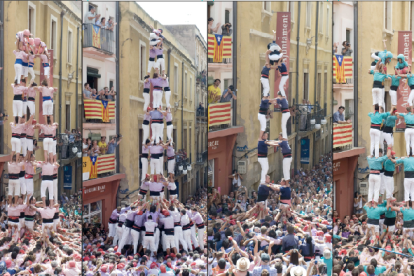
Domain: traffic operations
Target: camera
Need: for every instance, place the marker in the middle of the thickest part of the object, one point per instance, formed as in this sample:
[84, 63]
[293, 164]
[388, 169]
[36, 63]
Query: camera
[348, 44]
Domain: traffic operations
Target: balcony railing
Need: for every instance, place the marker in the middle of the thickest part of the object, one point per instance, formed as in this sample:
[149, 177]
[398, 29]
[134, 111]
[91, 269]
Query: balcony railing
[201, 112]
[68, 145]
[220, 116]
[308, 117]
[202, 157]
[98, 38]
[342, 135]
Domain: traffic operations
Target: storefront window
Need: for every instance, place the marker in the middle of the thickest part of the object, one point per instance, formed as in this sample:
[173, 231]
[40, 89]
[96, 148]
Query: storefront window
[93, 213]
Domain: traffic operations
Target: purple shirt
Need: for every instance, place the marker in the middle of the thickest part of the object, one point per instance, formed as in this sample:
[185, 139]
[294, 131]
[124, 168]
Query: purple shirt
[157, 82]
[147, 117]
[197, 218]
[122, 217]
[166, 83]
[123, 210]
[147, 85]
[150, 226]
[159, 51]
[145, 150]
[139, 220]
[154, 215]
[156, 115]
[168, 117]
[152, 53]
[114, 215]
[156, 149]
[145, 185]
[170, 151]
[156, 186]
[131, 215]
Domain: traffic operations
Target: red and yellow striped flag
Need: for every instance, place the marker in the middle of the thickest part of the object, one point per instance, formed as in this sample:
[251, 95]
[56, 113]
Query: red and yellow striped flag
[106, 163]
[102, 110]
[342, 68]
[219, 47]
[219, 113]
[342, 135]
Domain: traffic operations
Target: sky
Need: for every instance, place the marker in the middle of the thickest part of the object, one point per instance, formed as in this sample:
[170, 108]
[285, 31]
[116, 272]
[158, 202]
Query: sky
[175, 13]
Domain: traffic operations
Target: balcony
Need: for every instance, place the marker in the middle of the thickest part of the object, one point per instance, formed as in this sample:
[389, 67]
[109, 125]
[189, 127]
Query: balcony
[103, 167]
[342, 74]
[310, 117]
[69, 146]
[101, 40]
[202, 158]
[201, 113]
[221, 115]
[181, 166]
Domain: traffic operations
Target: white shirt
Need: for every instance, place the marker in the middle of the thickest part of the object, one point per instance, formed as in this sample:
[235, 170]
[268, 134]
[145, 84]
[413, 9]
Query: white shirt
[89, 21]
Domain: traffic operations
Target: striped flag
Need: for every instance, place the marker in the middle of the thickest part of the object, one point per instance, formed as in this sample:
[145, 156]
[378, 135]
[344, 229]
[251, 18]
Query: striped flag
[342, 68]
[106, 163]
[102, 110]
[96, 36]
[94, 169]
[219, 47]
[219, 113]
[342, 135]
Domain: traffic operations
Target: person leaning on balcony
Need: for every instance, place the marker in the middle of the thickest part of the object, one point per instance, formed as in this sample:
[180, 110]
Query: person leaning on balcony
[346, 50]
[113, 144]
[228, 94]
[102, 145]
[339, 117]
[214, 92]
[212, 30]
[90, 16]
[110, 24]
[86, 91]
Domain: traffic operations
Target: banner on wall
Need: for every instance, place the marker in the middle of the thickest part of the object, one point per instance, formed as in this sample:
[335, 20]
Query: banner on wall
[342, 68]
[304, 151]
[67, 177]
[405, 47]
[283, 40]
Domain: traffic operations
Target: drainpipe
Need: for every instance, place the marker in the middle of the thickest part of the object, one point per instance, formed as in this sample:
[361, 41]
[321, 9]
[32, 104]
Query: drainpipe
[297, 89]
[76, 99]
[356, 88]
[316, 54]
[60, 170]
[182, 106]
[118, 106]
[234, 73]
[1, 72]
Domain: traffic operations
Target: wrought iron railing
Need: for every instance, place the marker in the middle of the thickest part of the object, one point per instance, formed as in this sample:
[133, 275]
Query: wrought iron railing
[98, 38]
[202, 157]
[68, 145]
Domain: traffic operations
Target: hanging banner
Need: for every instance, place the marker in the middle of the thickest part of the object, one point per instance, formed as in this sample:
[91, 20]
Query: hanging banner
[405, 47]
[342, 68]
[283, 40]
[304, 151]
[96, 36]
[67, 177]
[219, 47]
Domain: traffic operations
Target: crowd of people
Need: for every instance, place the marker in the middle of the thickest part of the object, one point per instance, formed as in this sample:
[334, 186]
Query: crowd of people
[96, 148]
[281, 229]
[155, 235]
[37, 237]
[104, 94]
[92, 17]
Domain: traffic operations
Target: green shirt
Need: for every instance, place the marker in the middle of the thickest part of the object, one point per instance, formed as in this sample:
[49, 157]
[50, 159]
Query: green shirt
[376, 163]
[408, 163]
[408, 118]
[408, 214]
[374, 213]
[378, 117]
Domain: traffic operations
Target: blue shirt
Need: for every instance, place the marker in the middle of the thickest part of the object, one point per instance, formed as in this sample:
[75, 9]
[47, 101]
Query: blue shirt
[375, 213]
[408, 118]
[389, 165]
[112, 147]
[408, 214]
[262, 147]
[375, 164]
[408, 164]
[282, 68]
[395, 81]
[377, 117]
[390, 121]
[379, 76]
[283, 103]
[338, 117]
[264, 104]
[285, 147]
[265, 71]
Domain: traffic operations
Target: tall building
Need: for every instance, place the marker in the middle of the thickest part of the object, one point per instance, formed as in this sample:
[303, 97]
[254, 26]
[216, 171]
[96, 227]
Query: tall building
[59, 25]
[135, 27]
[398, 16]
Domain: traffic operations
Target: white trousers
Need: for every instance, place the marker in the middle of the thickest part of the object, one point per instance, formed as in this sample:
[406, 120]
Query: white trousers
[264, 163]
[381, 141]
[160, 64]
[46, 184]
[161, 166]
[14, 187]
[169, 132]
[155, 167]
[157, 98]
[286, 167]
[47, 107]
[389, 186]
[282, 83]
[171, 166]
[32, 107]
[200, 237]
[25, 71]
[285, 118]
[409, 139]
[167, 95]
[193, 236]
[408, 189]
[266, 86]
[179, 238]
[411, 98]
[151, 64]
[17, 108]
[18, 69]
[375, 141]
[187, 239]
[382, 98]
[135, 239]
[262, 120]
[118, 236]
[125, 236]
[16, 144]
[31, 72]
[147, 98]
[382, 185]
[29, 186]
[389, 138]
[168, 241]
[29, 224]
[144, 170]
[156, 131]
[55, 190]
[46, 71]
[23, 146]
[48, 145]
[112, 229]
[54, 146]
[22, 185]
[29, 144]
[376, 96]
[146, 132]
[393, 95]
[149, 243]
[374, 186]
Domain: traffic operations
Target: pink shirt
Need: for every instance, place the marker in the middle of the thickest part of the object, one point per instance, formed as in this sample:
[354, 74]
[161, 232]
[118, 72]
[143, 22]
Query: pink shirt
[31, 92]
[47, 91]
[47, 168]
[145, 185]
[20, 54]
[48, 130]
[18, 129]
[30, 130]
[29, 167]
[31, 58]
[14, 167]
[46, 213]
[26, 58]
[29, 211]
[21, 166]
[55, 169]
[44, 58]
[15, 211]
[18, 90]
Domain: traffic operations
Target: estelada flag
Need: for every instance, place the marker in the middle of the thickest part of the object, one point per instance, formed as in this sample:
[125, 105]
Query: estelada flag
[219, 47]
[96, 36]
[94, 167]
[86, 167]
[105, 112]
[339, 68]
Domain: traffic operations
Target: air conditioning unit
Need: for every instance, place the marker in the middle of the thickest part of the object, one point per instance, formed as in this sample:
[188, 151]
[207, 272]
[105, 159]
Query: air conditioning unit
[363, 188]
[242, 167]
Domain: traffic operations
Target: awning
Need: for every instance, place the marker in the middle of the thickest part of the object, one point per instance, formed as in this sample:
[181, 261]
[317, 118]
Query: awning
[92, 72]
[210, 3]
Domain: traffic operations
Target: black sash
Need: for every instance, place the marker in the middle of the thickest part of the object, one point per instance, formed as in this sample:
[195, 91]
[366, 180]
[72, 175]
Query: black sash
[47, 177]
[373, 221]
[169, 232]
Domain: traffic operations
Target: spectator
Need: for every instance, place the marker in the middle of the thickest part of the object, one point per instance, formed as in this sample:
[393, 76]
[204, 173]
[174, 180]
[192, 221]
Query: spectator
[290, 241]
[110, 24]
[226, 29]
[94, 96]
[102, 145]
[101, 23]
[200, 109]
[86, 91]
[95, 151]
[85, 147]
[214, 92]
[339, 117]
[90, 16]
[228, 95]
[113, 144]
[210, 28]
[346, 50]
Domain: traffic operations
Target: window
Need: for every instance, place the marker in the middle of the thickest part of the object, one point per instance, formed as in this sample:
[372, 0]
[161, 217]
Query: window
[305, 85]
[32, 19]
[387, 15]
[308, 14]
[176, 80]
[320, 27]
[70, 46]
[349, 109]
[191, 88]
[185, 84]
[93, 212]
[143, 68]
[227, 16]
[68, 116]
[111, 84]
[266, 6]
[53, 33]
[327, 21]
[348, 35]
